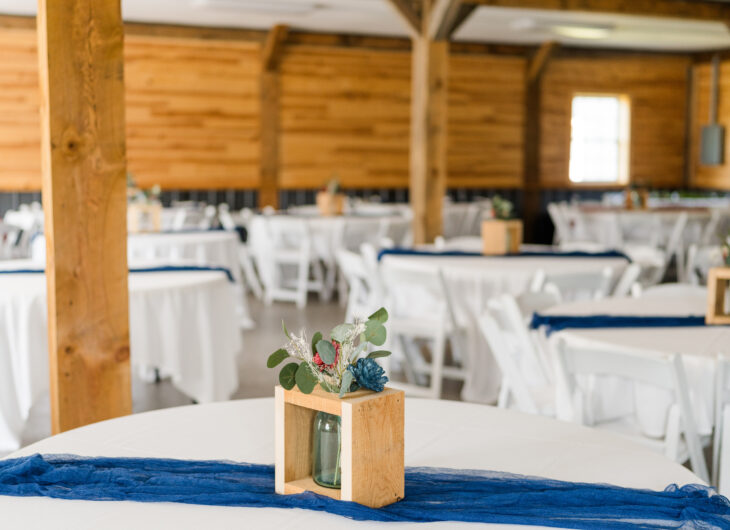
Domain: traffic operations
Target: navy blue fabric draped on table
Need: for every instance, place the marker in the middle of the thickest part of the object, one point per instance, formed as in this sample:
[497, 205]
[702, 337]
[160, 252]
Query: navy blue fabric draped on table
[162, 268]
[430, 494]
[552, 323]
[461, 253]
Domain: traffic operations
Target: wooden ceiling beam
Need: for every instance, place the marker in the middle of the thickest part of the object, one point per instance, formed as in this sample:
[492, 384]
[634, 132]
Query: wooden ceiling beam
[405, 10]
[274, 44]
[446, 16]
[688, 9]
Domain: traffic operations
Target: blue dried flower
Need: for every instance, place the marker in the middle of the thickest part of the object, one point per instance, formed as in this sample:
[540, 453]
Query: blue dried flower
[368, 374]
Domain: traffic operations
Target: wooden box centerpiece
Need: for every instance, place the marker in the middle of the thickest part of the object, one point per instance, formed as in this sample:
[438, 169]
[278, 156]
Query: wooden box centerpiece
[372, 444]
[330, 204]
[144, 217]
[501, 236]
[339, 429]
[717, 286]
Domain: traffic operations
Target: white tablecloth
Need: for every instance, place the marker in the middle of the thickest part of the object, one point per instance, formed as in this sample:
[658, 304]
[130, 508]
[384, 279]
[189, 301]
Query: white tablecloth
[437, 433]
[699, 347]
[213, 248]
[182, 323]
[472, 281]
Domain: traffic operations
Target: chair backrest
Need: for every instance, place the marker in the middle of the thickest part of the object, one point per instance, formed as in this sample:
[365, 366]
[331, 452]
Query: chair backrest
[362, 297]
[517, 343]
[577, 356]
[514, 388]
[591, 285]
[674, 243]
[225, 217]
[626, 282]
[721, 442]
[414, 292]
[562, 228]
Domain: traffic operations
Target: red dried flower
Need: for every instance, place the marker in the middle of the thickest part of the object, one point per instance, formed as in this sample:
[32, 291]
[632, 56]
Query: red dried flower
[319, 362]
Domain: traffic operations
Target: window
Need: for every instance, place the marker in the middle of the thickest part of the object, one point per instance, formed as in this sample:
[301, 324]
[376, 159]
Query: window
[599, 139]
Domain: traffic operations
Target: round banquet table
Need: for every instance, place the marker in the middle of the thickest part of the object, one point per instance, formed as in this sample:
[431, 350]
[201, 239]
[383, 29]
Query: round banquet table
[437, 433]
[473, 280]
[181, 323]
[212, 248]
[699, 347]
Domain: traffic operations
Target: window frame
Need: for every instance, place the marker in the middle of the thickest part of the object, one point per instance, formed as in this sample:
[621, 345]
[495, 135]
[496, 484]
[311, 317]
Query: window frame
[624, 166]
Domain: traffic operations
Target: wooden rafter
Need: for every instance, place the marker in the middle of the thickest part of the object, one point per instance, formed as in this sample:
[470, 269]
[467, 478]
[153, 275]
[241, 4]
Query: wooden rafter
[540, 60]
[411, 17]
[446, 16]
[273, 46]
[689, 9]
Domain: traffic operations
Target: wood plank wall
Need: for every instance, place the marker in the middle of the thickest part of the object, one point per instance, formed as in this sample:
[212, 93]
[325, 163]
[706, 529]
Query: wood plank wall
[193, 114]
[657, 87]
[713, 177]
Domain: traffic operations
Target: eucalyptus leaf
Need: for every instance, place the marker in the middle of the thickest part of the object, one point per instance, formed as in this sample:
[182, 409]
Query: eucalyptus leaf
[339, 333]
[276, 357]
[347, 378]
[305, 379]
[286, 332]
[317, 337]
[287, 375]
[381, 315]
[377, 354]
[326, 351]
[375, 333]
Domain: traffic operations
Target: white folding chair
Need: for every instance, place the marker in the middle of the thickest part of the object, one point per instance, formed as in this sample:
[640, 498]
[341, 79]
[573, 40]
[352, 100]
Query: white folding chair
[721, 441]
[364, 294]
[584, 285]
[580, 361]
[626, 282]
[526, 381]
[700, 259]
[654, 261]
[421, 309]
[284, 259]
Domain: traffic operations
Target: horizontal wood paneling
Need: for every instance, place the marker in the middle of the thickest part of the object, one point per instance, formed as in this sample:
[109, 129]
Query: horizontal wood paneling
[486, 121]
[657, 87]
[344, 112]
[716, 177]
[192, 112]
[20, 128]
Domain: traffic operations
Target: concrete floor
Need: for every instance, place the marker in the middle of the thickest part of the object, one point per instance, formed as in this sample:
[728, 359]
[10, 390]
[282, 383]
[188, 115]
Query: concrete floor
[256, 380]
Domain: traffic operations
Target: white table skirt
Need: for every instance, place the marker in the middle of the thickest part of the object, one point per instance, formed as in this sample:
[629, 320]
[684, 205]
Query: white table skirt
[699, 347]
[437, 433]
[473, 281]
[182, 323]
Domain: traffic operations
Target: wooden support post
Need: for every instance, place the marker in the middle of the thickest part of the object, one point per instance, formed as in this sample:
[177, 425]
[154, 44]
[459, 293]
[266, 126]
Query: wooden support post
[80, 49]
[269, 164]
[531, 201]
[428, 137]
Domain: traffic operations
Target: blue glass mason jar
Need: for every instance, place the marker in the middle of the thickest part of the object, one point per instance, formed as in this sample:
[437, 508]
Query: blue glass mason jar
[326, 445]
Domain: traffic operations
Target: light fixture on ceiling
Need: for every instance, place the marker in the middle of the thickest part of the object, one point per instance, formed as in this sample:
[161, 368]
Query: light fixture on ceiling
[258, 6]
[582, 31]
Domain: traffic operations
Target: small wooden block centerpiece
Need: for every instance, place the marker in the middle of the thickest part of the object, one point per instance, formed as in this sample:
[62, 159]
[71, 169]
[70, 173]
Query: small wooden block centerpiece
[717, 285]
[144, 217]
[330, 203]
[501, 236]
[372, 444]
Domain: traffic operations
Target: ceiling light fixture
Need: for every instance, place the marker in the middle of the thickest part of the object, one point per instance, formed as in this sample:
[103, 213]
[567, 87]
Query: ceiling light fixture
[583, 31]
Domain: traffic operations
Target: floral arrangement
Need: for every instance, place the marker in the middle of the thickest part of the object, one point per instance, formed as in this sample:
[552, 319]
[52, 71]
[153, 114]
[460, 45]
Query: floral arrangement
[336, 364]
[333, 186]
[502, 208]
